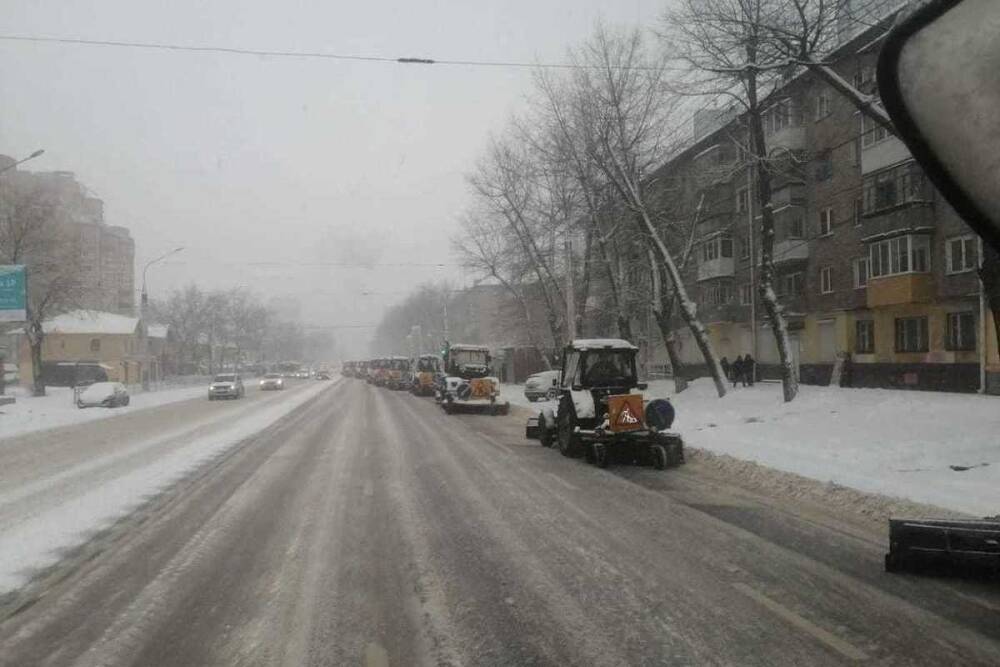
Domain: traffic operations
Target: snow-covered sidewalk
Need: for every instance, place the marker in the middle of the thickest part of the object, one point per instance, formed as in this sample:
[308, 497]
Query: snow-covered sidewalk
[56, 408]
[936, 448]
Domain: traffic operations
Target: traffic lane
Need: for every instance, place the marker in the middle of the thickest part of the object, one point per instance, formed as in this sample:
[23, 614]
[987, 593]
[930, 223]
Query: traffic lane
[179, 562]
[743, 581]
[26, 457]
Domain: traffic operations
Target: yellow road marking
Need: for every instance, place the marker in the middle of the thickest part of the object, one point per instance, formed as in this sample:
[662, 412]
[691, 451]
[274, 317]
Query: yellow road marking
[831, 640]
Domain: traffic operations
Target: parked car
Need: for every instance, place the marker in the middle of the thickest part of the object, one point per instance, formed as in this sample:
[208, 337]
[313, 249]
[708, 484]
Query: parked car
[272, 382]
[227, 385]
[322, 375]
[103, 395]
[541, 386]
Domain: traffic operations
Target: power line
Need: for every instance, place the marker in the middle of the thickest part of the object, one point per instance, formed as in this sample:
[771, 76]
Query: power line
[270, 53]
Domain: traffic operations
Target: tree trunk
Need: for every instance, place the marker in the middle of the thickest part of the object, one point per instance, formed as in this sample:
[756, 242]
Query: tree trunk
[663, 310]
[584, 292]
[621, 317]
[629, 191]
[789, 382]
[35, 338]
[989, 273]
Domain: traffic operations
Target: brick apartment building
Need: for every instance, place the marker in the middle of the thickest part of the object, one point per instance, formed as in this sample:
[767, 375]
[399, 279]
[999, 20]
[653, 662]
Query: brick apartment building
[107, 252]
[871, 263]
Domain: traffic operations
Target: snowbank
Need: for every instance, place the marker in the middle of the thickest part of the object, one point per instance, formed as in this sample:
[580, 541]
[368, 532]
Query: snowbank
[56, 408]
[936, 448]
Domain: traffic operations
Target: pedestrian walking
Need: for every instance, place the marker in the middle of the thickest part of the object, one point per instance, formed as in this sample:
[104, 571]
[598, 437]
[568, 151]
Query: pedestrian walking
[726, 368]
[737, 371]
[749, 369]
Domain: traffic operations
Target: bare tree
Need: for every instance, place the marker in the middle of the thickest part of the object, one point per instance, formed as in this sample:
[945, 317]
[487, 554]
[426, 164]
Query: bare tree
[33, 233]
[727, 45]
[483, 247]
[622, 102]
[506, 182]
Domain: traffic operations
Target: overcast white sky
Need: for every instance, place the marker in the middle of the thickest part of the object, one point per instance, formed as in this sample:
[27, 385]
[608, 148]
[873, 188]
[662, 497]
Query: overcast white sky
[243, 159]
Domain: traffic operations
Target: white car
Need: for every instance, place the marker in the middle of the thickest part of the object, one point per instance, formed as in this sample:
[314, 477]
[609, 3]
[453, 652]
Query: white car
[103, 394]
[541, 386]
[271, 382]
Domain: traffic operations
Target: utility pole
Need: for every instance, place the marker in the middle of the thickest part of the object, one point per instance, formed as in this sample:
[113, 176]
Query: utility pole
[570, 293]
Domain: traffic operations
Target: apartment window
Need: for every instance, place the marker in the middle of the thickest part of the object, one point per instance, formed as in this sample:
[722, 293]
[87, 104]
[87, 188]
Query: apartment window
[864, 78]
[95, 344]
[717, 294]
[796, 228]
[860, 272]
[826, 280]
[716, 247]
[745, 247]
[872, 132]
[746, 294]
[902, 254]
[822, 106]
[790, 284]
[911, 334]
[864, 336]
[858, 210]
[892, 187]
[824, 167]
[779, 116]
[826, 222]
[960, 254]
[742, 200]
[726, 246]
[961, 331]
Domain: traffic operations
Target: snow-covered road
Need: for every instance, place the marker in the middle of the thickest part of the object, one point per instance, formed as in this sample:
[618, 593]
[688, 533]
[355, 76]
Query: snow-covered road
[61, 485]
[931, 447]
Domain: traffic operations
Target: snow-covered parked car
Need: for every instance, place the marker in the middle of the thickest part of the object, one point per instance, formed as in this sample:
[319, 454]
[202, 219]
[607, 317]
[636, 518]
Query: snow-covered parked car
[541, 386]
[103, 395]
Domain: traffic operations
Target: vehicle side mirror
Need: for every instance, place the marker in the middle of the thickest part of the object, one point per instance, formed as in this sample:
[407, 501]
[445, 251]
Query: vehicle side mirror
[937, 78]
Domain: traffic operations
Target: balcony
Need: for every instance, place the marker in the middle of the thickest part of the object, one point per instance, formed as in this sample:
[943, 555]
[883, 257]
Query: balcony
[790, 194]
[791, 250]
[720, 267]
[903, 217]
[900, 289]
[883, 154]
[791, 138]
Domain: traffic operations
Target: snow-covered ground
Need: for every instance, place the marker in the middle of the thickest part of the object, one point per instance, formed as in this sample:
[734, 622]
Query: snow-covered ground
[31, 539]
[937, 448]
[56, 408]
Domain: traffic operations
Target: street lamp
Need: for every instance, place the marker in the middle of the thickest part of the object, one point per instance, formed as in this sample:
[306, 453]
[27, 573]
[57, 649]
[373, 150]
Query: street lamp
[145, 297]
[40, 151]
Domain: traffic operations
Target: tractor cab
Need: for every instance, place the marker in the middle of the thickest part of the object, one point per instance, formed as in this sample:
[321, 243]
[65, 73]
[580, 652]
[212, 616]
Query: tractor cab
[427, 368]
[602, 412]
[398, 373]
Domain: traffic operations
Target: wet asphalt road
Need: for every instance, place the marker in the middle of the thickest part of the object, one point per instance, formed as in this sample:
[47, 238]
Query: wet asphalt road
[369, 528]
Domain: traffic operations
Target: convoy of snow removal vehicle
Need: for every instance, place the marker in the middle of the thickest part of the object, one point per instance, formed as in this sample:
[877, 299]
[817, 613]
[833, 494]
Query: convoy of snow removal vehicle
[602, 414]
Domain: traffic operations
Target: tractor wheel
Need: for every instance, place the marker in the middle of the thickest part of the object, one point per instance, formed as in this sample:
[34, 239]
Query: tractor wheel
[600, 454]
[532, 399]
[659, 457]
[449, 407]
[546, 434]
[569, 442]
